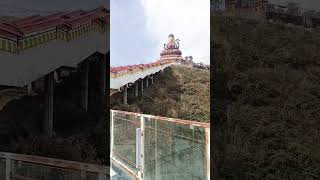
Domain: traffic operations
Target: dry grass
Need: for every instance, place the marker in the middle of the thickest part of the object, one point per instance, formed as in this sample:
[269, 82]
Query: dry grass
[266, 95]
[181, 93]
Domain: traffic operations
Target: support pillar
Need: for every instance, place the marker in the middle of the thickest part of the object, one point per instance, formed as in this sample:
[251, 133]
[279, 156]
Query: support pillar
[141, 86]
[102, 88]
[30, 88]
[147, 83]
[125, 95]
[136, 92]
[48, 120]
[162, 72]
[84, 85]
[151, 79]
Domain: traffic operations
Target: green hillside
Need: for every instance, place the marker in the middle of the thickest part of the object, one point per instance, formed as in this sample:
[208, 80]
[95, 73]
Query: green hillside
[180, 93]
[266, 100]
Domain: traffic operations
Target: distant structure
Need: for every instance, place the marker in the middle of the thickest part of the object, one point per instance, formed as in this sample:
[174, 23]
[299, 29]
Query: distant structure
[171, 50]
[201, 66]
[250, 8]
[263, 10]
[187, 62]
[30, 32]
[218, 5]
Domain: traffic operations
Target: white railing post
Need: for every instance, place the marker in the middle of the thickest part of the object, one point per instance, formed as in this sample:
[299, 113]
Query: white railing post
[156, 150]
[111, 135]
[83, 175]
[138, 148]
[142, 128]
[8, 167]
[208, 151]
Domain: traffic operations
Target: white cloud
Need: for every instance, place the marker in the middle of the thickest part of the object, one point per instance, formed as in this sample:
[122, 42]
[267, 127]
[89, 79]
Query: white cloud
[188, 20]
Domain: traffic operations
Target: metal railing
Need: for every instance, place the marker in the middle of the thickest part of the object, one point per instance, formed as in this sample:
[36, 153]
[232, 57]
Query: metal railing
[28, 167]
[152, 147]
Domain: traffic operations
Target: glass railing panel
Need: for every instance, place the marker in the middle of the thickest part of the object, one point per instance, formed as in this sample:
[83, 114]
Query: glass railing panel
[174, 151]
[120, 173]
[170, 148]
[31, 170]
[124, 138]
[2, 169]
[92, 176]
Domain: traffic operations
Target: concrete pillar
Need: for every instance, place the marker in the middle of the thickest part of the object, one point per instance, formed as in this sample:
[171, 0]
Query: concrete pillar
[48, 120]
[84, 85]
[151, 79]
[103, 81]
[141, 85]
[162, 72]
[125, 95]
[136, 92]
[147, 83]
[30, 88]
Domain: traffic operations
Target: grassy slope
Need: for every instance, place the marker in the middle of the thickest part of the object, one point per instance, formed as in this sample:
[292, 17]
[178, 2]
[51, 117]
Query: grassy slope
[267, 122]
[181, 93]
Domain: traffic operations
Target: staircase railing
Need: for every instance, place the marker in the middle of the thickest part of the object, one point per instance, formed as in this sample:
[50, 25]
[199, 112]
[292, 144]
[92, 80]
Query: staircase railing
[28, 167]
[152, 147]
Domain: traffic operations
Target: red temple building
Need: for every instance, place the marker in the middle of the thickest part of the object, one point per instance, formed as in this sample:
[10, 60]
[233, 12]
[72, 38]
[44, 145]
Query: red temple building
[29, 32]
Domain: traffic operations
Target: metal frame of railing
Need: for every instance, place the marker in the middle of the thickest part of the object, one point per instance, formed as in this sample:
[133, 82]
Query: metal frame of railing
[140, 158]
[101, 171]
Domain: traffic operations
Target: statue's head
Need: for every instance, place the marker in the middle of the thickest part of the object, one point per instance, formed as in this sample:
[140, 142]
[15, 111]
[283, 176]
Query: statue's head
[170, 38]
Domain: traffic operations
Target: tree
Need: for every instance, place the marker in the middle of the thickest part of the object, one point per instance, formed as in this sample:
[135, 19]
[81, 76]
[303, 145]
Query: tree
[217, 5]
[190, 58]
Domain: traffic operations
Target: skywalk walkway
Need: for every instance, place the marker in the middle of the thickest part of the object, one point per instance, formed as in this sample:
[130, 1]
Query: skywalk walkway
[27, 167]
[35, 46]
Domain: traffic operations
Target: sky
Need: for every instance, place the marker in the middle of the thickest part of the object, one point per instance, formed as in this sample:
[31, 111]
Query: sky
[139, 28]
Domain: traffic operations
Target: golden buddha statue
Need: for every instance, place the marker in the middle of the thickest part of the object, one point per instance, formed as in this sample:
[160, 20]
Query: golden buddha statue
[172, 43]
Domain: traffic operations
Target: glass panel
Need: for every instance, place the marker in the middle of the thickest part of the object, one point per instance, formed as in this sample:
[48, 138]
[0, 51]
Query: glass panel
[174, 151]
[2, 169]
[124, 138]
[119, 173]
[95, 176]
[37, 171]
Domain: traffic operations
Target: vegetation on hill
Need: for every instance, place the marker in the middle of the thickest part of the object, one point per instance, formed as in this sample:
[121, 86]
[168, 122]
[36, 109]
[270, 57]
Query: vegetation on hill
[181, 93]
[266, 97]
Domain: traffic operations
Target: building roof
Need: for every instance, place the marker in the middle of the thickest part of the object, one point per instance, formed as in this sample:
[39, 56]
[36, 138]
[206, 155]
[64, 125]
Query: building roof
[36, 23]
[137, 66]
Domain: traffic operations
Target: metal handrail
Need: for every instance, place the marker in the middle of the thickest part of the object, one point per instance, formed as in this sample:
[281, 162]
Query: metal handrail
[161, 118]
